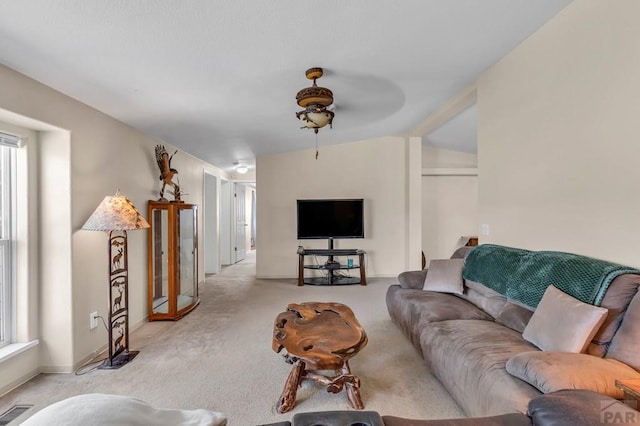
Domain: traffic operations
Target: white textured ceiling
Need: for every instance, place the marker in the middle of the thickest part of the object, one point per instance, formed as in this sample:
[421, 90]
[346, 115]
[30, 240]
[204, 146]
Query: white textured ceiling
[218, 79]
[457, 134]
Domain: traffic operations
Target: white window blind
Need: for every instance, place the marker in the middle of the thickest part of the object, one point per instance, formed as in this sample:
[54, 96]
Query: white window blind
[10, 141]
[7, 234]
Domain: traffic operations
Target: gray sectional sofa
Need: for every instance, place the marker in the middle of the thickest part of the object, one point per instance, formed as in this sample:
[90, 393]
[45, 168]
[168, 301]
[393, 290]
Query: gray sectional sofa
[561, 408]
[481, 343]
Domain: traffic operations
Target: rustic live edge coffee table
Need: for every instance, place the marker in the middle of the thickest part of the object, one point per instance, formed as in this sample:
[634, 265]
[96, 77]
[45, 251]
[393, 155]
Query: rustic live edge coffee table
[319, 336]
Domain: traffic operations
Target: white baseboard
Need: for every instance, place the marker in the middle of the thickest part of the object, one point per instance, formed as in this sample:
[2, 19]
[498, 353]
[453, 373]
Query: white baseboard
[276, 277]
[19, 382]
[55, 369]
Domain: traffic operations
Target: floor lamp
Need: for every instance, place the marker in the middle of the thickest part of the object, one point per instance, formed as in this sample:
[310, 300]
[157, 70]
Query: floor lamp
[116, 215]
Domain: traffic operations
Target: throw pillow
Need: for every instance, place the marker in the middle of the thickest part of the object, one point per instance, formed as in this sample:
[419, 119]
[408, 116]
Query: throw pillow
[552, 371]
[445, 276]
[562, 323]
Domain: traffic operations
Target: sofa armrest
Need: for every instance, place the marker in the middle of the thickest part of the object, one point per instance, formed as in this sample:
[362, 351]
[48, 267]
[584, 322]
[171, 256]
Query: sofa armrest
[580, 407]
[554, 371]
[511, 419]
[412, 279]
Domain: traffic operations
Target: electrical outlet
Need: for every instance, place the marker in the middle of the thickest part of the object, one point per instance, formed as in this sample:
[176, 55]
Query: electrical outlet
[93, 320]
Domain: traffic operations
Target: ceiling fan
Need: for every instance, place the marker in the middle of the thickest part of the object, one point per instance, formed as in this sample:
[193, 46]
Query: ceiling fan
[315, 100]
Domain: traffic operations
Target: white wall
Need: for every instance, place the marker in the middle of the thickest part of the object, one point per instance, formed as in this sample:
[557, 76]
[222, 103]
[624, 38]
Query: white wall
[376, 170]
[55, 283]
[433, 157]
[250, 189]
[100, 155]
[558, 135]
[449, 211]
[449, 202]
[209, 239]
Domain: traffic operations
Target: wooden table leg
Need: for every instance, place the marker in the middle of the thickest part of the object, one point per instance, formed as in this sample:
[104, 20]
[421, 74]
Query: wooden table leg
[353, 388]
[288, 398]
[301, 269]
[363, 275]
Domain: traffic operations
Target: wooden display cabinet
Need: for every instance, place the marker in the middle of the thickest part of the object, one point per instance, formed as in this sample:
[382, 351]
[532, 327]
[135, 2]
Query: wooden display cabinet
[173, 259]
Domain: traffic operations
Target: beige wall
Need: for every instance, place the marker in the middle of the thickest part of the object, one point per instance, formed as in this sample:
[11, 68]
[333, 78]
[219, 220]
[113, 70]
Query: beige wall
[449, 201]
[558, 135]
[89, 155]
[433, 157]
[376, 170]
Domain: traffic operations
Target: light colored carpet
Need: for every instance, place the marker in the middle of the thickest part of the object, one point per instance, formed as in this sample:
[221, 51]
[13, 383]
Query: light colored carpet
[219, 357]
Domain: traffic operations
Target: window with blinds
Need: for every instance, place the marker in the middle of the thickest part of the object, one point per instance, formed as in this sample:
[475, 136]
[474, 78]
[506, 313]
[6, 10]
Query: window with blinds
[8, 145]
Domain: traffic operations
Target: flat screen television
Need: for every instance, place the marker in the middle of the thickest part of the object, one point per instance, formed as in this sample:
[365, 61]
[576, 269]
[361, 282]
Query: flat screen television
[339, 218]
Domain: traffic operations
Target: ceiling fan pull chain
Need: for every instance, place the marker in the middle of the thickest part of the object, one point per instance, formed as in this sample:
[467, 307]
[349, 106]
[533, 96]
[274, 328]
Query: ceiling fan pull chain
[316, 146]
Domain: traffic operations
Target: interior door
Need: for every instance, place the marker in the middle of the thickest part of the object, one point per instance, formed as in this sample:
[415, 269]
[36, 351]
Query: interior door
[226, 223]
[240, 222]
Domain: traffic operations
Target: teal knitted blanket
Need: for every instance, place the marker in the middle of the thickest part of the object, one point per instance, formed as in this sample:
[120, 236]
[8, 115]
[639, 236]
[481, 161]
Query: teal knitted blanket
[524, 275]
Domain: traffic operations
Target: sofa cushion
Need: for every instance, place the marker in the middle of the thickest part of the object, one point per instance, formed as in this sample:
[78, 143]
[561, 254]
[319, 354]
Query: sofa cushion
[469, 357]
[580, 407]
[552, 371]
[461, 252]
[625, 345]
[563, 323]
[411, 309]
[507, 312]
[513, 419]
[412, 279]
[616, 300]
[444, 276]
[514, 316]
[485, 298]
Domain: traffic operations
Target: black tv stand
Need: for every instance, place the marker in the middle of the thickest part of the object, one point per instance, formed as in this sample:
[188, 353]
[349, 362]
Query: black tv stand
[331, 266]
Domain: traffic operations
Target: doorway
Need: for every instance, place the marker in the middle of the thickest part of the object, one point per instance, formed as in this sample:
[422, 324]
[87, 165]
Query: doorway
[240, 222]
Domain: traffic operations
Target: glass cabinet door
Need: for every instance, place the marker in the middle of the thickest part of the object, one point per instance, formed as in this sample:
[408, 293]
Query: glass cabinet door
[186, 289]
[160, 261]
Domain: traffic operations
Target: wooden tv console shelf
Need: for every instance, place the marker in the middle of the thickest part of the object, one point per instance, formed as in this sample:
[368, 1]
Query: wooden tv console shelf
[331, 267]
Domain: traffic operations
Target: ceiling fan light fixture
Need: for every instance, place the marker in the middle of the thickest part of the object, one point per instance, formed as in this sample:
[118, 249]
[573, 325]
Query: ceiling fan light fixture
[315, 117]
[315, 100]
